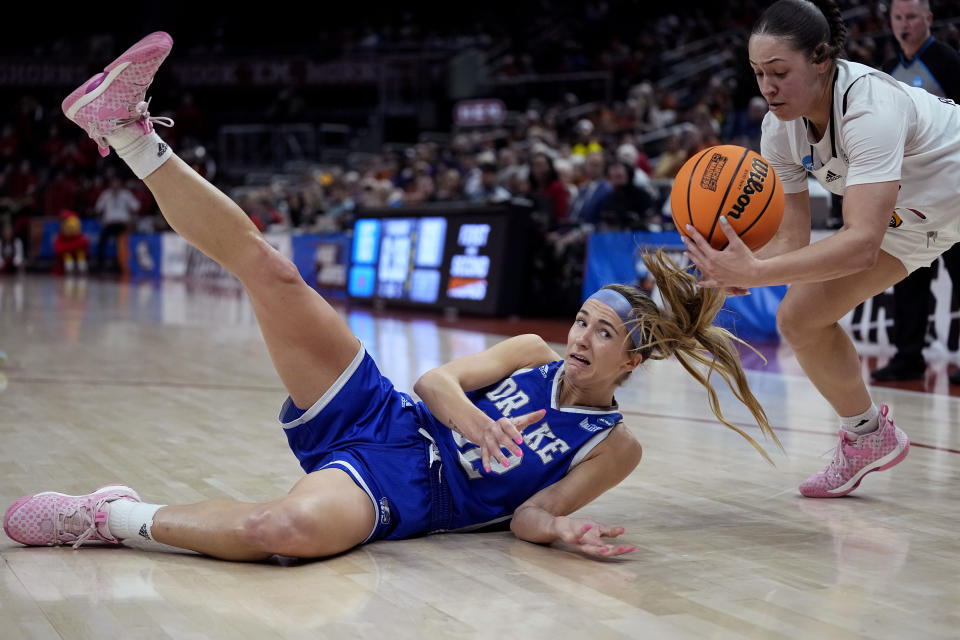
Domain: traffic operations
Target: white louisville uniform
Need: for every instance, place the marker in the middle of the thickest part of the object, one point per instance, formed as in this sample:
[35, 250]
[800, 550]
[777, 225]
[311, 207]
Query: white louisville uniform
[881, 130]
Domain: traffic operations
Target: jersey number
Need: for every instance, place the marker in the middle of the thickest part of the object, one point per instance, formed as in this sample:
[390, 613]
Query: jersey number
[470, 453]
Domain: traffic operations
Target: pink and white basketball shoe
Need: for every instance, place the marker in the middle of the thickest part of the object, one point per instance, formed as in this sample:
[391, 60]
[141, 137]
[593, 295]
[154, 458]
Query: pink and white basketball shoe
[50, 518]
[856, 456]
[115, 97]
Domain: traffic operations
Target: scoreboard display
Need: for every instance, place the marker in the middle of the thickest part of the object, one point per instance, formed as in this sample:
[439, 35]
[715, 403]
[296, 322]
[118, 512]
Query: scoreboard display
[468, 258]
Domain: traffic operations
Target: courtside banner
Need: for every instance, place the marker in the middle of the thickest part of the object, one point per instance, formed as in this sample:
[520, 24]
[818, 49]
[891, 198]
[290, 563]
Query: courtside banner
[180, 259]
[321, 259]
[146, 255]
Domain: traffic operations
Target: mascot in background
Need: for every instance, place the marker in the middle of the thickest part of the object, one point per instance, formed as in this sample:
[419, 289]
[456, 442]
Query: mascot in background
[70, 246]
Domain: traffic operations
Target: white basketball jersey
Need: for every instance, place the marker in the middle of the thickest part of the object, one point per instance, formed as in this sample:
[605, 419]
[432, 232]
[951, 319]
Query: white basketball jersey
[880, 130]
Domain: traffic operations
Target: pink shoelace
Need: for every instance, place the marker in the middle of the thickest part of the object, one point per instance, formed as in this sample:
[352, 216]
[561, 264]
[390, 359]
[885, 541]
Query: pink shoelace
[143, 118]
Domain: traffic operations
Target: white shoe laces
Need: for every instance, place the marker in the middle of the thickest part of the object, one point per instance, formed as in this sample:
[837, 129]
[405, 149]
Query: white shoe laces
[144, 119]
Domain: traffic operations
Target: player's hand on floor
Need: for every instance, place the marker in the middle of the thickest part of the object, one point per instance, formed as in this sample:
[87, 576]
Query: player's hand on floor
[588, 537]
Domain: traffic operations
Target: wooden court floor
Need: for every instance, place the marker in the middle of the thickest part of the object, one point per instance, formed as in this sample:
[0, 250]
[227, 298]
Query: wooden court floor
[167, 387]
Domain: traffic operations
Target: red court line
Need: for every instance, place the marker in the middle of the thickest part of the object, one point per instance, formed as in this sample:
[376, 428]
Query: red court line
[787, 429]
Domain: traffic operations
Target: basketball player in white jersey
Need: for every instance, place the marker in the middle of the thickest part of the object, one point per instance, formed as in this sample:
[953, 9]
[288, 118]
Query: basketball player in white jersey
[893, 153]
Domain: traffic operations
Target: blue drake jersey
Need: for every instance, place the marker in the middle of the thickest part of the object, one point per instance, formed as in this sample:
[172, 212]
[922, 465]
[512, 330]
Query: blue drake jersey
[551, 447]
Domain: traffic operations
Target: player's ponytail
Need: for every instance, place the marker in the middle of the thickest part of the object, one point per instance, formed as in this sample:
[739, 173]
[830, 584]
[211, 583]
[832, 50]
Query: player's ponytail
[685, 330]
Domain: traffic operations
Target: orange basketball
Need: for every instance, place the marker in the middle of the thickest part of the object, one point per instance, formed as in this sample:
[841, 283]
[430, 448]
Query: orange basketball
[730, 181]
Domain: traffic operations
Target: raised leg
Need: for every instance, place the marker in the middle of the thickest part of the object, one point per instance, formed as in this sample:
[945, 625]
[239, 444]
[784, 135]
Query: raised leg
[309, 342]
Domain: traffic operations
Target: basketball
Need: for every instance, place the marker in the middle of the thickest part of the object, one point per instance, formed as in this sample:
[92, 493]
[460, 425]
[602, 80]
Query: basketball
[731, 181]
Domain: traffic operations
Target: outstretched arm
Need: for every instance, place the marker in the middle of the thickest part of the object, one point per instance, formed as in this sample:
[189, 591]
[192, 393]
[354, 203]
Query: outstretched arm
[854, 248]
[544, 518]
[444, 389]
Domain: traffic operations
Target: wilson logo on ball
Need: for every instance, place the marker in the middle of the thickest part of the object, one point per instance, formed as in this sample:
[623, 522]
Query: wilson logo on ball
[754, 184]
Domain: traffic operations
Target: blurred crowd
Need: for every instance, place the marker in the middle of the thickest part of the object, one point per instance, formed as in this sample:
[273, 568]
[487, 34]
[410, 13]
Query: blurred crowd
[577, 165]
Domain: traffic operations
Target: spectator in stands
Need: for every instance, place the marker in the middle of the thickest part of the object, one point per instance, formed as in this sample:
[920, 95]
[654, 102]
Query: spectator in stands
[489, 191]
[470, 170]
[22, 184]
[642, 160]
[672, 158]
[62, 192]
[548, 190]
[12, 258]
[565, 172]
[586, 207]
[643, 104]
[539, 130]
[630, 156]
[518, 182]
[507, 165]
[703, 134]
[9, 143]
[295, 208]
[668, 108]
[420, 191]
[116, 207]
[90, 190]
[742, 126]
[586, 142]
[626, 206]
[340, 211]
[449, 188]
[189, 120]
[22, 200]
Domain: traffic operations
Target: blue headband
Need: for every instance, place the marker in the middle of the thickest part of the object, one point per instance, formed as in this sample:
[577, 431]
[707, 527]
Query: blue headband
[622, 307]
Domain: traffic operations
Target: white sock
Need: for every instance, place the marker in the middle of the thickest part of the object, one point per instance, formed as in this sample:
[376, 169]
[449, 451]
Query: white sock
[864, 423]
[131, 523]
[143, 153]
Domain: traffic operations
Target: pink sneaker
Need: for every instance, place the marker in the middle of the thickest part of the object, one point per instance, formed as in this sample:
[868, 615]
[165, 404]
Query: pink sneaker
[50, 518]
[856, 456]
[115, 98]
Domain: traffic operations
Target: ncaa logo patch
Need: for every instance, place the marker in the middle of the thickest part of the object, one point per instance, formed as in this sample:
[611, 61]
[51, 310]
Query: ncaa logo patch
[807, 162]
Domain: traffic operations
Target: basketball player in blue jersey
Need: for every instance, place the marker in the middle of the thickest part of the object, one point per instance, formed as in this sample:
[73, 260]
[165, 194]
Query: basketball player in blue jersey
[893, 152]
[516, 432]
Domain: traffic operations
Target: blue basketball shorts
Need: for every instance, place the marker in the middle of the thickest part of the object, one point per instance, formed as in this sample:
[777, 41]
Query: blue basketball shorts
[363, 426]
